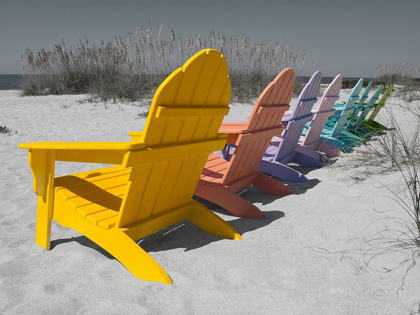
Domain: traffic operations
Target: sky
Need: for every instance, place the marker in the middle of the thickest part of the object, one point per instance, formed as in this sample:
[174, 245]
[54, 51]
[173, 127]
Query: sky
[350, 37]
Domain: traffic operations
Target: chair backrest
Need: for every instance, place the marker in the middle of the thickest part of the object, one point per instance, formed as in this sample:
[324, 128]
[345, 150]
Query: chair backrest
[351, 100]
[181, 130]
[365, 94]
[381, 102]
[370, 104]
[324, 110]
[263, 124]
[270, 105]
[301, 115]
[361, 103]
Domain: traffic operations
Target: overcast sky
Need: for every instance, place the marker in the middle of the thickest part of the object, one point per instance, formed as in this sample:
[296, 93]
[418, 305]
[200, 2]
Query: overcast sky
[350, 37]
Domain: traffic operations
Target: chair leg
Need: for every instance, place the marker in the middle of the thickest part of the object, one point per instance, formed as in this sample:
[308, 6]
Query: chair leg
[211, 223]
[281, 171]
[337, 144]
[329, 149]
[132, 256]
[43, 222]
[373, 126]
[229, 200]
[346, 142]
[366, 129]
[271, 186]
[351, 138]
[118, 244]
[307, 161]
[42, 163]
[307, 157]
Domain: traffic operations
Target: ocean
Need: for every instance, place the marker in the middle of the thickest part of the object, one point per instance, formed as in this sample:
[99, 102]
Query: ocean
[10, 81]
[14, 81]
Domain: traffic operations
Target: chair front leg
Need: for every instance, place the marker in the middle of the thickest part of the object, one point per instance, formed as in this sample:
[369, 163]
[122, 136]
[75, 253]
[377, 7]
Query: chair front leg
[42, 163]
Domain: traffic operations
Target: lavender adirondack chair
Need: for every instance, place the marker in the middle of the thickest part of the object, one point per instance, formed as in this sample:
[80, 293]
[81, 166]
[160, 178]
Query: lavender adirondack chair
[310, 141]
[278, 155]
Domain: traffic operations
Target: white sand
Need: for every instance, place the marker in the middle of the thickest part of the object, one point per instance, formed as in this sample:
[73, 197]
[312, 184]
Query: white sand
[281, 266]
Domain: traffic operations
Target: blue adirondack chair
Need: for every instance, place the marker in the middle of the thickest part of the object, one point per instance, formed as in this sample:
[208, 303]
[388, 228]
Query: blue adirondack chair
[337, 135]
[284, 151]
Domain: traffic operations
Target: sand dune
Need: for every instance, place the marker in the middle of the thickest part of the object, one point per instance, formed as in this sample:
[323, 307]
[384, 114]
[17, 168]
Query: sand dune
[304, 259]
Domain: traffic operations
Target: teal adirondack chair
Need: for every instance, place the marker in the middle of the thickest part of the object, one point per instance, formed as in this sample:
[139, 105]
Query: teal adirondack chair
[358, 107]
[336, 135]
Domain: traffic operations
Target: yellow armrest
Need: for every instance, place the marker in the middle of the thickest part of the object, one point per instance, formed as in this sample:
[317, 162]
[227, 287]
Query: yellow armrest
[87, 152]
[43, 154]
[67, 145]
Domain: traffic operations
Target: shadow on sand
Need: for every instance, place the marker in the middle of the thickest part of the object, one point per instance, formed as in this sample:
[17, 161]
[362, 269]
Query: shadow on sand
[181, 235]
[188, 236]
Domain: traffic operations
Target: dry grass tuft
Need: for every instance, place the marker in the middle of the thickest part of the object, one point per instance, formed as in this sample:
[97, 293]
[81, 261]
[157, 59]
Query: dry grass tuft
[401, 74]
[395, 156]
[4, 129]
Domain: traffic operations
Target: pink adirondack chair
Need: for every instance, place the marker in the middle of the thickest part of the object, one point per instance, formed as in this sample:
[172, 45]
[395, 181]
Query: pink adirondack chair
[222, 179]
[311, 141]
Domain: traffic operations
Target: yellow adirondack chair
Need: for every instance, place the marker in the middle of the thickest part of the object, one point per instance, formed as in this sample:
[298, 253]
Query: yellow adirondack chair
[158, 171]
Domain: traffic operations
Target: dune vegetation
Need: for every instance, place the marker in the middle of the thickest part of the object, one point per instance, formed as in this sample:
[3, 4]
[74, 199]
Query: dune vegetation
[133, 66]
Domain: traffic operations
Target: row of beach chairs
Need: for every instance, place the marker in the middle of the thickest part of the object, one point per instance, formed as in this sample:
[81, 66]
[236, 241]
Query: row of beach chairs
[185, 149]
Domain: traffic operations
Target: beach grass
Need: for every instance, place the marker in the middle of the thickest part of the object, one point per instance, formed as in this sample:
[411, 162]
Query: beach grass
[392, 161]
[132, 67]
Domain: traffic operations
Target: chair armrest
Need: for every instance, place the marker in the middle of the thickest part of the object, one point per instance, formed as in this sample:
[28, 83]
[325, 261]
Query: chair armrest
[43, 154]
[339, 106]
[285, 120]
[87, 152]
[233, 130]
[289, 113]
[233, 127]
[68, 145]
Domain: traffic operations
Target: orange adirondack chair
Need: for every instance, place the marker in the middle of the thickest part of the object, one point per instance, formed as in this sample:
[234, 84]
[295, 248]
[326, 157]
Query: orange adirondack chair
[152, 187]
[222, 179]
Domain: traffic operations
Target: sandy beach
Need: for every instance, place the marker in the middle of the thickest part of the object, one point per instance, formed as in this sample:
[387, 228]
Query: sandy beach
[307, 257]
